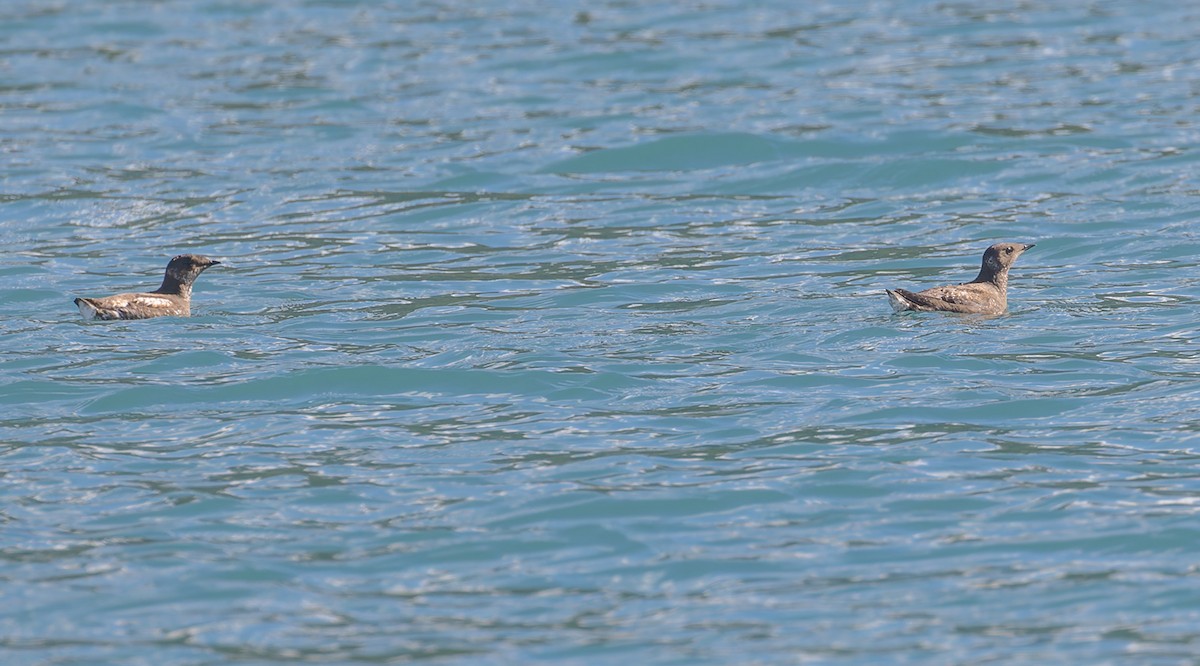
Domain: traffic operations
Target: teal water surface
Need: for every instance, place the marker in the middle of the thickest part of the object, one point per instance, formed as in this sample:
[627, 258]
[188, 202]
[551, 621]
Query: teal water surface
[555, 332]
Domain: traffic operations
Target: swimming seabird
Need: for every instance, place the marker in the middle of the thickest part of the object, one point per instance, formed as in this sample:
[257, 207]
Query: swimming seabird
[173, 298]
[986, 294]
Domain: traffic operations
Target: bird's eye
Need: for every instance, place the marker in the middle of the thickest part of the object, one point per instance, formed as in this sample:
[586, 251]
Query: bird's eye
[1008, 250]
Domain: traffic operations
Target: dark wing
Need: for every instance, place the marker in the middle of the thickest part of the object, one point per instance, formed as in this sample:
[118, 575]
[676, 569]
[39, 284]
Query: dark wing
[944, 301]
[128, 306]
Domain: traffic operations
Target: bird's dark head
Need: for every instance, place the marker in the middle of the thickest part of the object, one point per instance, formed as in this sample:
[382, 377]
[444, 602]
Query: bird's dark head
[999, 257]
[185, 268]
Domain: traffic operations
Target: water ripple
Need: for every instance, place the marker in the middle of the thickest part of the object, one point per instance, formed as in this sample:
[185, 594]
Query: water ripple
[556, 333]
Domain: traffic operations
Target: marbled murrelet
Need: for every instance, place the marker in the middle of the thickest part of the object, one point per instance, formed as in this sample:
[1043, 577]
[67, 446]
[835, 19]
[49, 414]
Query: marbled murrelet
[986, 294]
[173, 298]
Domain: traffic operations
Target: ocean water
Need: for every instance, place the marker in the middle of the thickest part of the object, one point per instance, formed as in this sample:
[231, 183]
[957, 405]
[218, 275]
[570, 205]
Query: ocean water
[554, 332]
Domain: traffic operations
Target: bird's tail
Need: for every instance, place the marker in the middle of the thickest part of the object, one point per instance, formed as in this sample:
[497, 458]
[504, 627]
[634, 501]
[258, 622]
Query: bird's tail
[86, 308]
[898, 302]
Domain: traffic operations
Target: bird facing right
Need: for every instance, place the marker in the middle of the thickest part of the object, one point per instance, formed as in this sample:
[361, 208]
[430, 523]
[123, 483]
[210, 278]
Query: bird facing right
[172, 299]
[986, 294]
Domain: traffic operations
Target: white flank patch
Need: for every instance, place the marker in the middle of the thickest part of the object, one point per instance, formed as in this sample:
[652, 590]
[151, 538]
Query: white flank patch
[86, 309]
[151, 302]
[897, 302]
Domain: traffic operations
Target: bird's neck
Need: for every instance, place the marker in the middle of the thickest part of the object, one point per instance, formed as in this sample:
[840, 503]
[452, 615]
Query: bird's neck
[998, 278]
[171, 285]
